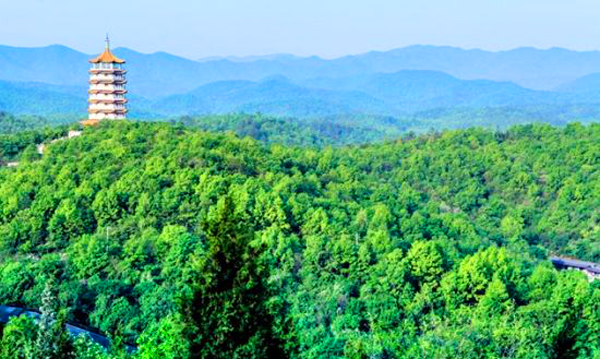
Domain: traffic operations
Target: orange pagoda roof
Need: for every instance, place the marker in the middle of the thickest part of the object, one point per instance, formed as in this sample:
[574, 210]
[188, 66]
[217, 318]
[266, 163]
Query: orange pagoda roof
[107, 56]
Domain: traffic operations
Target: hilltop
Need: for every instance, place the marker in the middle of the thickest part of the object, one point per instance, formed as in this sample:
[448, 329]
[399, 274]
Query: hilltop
[213, 246]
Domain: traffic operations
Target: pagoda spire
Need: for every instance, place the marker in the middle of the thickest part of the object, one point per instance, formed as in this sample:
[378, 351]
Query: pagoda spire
[107, 45]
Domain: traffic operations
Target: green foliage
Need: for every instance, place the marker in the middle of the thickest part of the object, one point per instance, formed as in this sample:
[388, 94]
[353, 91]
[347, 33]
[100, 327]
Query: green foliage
[52, 340]
[170, 338]
[195, 244]
[18, 338]
[85, 348]
[10, 124]
[294, 132]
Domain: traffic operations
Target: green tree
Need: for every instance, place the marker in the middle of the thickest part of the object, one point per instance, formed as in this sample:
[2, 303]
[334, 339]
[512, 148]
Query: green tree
[53, 341]
[18, 338]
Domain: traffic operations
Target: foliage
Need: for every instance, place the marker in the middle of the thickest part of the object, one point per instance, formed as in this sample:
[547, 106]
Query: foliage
[18, 338]
[291, 131]
[197, 244]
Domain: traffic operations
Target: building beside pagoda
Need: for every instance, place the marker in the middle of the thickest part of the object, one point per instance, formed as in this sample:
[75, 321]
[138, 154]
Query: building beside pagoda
[107, 88]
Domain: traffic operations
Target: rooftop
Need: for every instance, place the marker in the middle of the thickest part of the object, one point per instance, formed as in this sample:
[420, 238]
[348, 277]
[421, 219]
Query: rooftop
[107, 56]
[574, 263]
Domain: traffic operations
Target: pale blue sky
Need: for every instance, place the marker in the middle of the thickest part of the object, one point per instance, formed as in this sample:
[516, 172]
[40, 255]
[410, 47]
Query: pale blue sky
[328, 28]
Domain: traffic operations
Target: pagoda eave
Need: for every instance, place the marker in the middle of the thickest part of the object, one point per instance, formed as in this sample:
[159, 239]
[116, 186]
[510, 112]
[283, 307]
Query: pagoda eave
[107, 82]
[108, 111]
[107, 92]
[108, 71]
[110, 101]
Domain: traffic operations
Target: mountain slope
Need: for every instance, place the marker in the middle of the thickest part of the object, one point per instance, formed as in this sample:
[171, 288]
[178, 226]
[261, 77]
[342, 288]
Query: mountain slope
[395, 94]
[274, 96]
[161, 74]
[435, 244]
[41, 99]
[584, 87]
[54, 64]
[411, 90]
[528, 67]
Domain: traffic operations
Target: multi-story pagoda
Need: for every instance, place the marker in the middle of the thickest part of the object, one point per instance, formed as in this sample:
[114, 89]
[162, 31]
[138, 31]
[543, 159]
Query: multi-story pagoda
[107, 87]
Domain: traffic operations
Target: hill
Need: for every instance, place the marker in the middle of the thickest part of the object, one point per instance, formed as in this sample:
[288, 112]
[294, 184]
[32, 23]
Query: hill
[372, 85]
[276, 97]
[528, 67]
[294, 132]
[203, 245]
[412, 90]
[42, 99]
[56, 64]
[584, 87]
[161, 74]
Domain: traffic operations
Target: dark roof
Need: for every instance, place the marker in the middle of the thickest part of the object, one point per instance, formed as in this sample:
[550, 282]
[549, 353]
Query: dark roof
[574, 263]
[7, 312]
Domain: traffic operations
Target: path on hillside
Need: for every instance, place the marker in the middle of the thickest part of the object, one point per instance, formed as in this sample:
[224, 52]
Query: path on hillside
[41, 148]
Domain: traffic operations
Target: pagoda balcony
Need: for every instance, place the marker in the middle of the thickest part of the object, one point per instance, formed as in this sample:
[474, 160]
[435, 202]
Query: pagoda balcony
[107, 92]
[108, 71]
[108, 100]
[107, 110]
[109, 81]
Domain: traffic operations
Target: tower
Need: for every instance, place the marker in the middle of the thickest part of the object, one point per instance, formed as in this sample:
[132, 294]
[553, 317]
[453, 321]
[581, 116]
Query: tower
[107, 87]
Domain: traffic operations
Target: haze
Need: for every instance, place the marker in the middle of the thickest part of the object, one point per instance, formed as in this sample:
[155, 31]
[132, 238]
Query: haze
[331, 28]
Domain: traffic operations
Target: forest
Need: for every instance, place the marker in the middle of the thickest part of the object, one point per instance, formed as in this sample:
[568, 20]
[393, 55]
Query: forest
[264, 239]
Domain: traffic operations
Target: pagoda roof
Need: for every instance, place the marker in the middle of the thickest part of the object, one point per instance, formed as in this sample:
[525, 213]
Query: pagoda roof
[107, 56]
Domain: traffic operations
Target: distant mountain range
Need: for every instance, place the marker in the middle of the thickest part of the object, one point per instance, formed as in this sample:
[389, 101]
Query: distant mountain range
[40, 99]
[53, 79]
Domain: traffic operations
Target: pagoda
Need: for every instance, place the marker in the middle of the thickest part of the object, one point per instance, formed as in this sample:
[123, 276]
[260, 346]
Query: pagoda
[107, 88]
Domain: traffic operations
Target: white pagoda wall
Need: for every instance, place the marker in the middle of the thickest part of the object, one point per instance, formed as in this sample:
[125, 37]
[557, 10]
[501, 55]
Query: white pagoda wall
[110, 107]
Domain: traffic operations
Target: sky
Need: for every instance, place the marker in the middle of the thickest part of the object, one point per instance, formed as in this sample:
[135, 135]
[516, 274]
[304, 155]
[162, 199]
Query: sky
[326, 28]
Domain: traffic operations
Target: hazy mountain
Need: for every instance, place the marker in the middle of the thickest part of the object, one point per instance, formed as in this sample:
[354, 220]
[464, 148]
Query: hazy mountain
[54, 64]
[271, 57]
[41, 99]
[379, 94]
[528, 67]
[411, 90]
[584, 87]
[274, 96]
[397, 82]
[161, 74]
[393, 94]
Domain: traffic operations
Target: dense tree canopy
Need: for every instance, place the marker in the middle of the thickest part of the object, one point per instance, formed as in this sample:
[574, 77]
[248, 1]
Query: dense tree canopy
[202, 245]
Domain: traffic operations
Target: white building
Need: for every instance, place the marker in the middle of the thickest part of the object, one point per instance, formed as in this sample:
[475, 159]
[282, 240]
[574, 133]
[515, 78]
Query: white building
[107, 87]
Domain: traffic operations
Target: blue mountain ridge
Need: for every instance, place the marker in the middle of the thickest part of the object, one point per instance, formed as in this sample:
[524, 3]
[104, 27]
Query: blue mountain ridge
[396, 82]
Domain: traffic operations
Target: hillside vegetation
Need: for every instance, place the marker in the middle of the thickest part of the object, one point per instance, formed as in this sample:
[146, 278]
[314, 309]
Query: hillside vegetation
[202, 245]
